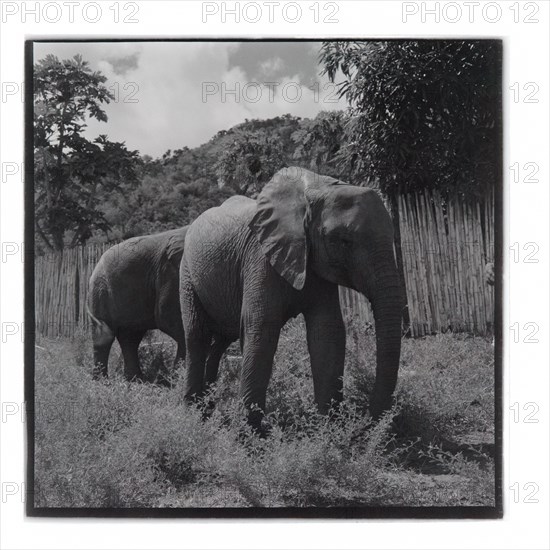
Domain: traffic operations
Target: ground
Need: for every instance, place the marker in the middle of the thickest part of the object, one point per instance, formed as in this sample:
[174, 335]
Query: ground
[119, 444]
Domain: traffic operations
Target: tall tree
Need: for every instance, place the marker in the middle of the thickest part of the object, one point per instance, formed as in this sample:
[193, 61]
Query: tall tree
[70, 170]
[423, 115]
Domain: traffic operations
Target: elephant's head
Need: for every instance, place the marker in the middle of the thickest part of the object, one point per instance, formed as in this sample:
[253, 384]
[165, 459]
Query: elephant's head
[344, 234]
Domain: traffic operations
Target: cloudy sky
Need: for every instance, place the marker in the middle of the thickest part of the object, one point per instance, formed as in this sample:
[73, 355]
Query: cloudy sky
[176, 94]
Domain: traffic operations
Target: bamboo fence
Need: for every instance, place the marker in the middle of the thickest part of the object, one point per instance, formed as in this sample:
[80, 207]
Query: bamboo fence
[61, 289]
[445, 248]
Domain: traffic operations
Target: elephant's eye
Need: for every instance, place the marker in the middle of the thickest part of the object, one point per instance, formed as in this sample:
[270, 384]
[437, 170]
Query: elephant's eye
[345, 239]
[346, 244]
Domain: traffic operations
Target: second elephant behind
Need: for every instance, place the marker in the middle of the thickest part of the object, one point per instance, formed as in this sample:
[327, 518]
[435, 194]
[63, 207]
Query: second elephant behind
[134, 288]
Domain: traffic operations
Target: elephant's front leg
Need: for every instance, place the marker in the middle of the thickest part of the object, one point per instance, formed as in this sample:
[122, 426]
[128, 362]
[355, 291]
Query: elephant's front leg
[326, 340]
[260, 336]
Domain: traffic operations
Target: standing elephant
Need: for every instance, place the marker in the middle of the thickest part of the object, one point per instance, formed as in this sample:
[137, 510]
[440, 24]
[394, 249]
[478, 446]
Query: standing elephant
[134, 288]
[249, 266]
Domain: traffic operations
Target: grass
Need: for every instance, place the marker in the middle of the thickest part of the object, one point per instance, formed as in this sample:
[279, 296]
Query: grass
[117, 444]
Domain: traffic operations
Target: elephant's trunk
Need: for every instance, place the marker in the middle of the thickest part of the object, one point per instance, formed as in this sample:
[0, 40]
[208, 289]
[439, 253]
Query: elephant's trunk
[384, 291]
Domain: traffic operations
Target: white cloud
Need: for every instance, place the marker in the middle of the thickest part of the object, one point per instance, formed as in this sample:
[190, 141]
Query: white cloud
[271, 66]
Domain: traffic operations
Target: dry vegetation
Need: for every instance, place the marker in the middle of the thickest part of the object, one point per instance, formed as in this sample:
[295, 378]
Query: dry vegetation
[115, 444]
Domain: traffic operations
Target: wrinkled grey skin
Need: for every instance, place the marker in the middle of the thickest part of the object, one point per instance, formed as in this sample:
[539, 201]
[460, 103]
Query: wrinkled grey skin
[134, 288]
[249, 266]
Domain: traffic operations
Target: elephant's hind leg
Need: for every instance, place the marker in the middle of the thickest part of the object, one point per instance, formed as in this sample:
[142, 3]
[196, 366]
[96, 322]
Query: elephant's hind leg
[217, 349]
[102, 338]
[176, 333]
[129, 341]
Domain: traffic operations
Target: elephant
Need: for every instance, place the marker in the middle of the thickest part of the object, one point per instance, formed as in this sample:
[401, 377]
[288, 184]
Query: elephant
[251, 265]
[134, 288]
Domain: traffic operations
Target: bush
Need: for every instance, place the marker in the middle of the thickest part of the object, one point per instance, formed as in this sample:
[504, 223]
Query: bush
[117, 444]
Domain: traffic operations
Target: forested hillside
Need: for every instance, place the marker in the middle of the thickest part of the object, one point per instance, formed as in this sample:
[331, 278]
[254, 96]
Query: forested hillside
[173, 190]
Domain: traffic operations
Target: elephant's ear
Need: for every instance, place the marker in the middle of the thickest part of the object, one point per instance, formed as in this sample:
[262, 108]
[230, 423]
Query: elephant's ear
[279, 226]
[279, 222]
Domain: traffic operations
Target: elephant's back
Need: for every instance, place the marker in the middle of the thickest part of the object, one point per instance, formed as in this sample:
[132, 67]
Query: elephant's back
[218, 233]
[169, 242]
[232, 213]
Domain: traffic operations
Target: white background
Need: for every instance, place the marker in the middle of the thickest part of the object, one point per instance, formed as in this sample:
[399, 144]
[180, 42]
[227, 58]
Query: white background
[526, 366]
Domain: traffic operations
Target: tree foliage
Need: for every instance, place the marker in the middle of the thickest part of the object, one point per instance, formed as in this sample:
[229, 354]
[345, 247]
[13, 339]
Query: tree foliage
[71, 171]
[424, 114]
[318, 142]
[248, 163]
[253, 151]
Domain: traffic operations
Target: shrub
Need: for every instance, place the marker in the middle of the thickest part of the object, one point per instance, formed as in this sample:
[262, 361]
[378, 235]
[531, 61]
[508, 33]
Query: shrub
[115, 444]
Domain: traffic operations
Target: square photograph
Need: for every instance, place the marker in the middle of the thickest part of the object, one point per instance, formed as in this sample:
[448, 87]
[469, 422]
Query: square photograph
[264, 278]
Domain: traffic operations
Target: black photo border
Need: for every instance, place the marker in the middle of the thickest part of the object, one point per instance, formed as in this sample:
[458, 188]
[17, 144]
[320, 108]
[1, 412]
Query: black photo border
[353, 512]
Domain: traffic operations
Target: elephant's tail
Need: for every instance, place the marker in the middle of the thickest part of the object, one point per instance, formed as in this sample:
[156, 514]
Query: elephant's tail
[100, 326]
